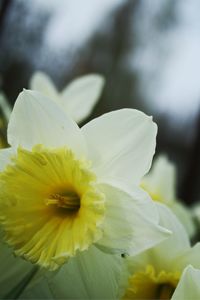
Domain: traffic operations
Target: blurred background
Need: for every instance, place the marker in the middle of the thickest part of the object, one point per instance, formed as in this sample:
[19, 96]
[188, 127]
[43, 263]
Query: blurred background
[147, 50]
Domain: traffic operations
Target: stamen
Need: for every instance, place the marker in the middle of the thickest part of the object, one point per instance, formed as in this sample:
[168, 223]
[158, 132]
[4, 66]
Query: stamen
[68, 200]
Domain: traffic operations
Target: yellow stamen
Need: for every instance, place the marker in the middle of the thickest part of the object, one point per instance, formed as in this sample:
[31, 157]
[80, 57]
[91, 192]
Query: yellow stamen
[70, 201]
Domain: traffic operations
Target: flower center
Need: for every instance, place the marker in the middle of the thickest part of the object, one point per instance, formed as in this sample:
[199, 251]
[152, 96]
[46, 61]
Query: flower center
[50, 205]
[149, 284]
[69, 201]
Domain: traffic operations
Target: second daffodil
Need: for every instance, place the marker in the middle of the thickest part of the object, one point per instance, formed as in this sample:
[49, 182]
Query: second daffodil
[160, 183]
[64, 189]
[163, 271]
[77, 99]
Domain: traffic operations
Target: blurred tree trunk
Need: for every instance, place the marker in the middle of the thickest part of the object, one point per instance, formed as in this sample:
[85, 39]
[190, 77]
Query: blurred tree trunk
[190, 191]
[3, 12]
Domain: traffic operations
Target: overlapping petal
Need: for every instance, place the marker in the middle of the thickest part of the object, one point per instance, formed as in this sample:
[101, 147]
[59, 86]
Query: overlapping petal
[126, 229]
[81, 95]
[14, 272]
[164, 255]
[91, 275]
[184, 214]
[121, 144]
[37, 120]
[160, 183]
[188, 287]
[189, 257]
[77, 99]
[161, 180]
[42, 83]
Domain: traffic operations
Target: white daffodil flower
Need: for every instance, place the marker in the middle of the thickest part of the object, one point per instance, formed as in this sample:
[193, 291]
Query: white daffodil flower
[77, 99]
[60, 181]
[64, 189]
[158, 272]
[160, 183]
[188, 287]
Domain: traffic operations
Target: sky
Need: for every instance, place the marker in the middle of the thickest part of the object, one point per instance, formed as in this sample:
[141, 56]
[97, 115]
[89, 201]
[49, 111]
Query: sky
[71, 23]
[47, 30]
[167, 60]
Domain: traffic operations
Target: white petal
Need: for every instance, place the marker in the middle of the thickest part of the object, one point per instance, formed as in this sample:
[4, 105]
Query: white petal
[179, 238]
[177, 243]
[161, 183]
[142, 200]
[81, 95]
[14, 272]
[188, 287]
[41, 82]
[190, 256]
[39, 291]
[37, 286]
[126, 229]
[5, 156]
[164, 256]
[92, 274]
[184, 214]
[121, 144]
[37, 120]
[161, 180]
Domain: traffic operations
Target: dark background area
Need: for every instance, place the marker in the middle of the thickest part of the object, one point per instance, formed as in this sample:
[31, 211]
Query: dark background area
[148, 51]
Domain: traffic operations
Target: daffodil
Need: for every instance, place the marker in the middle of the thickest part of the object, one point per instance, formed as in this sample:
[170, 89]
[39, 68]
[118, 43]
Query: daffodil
[77, 99]
[159, 273]
[64, 189]
[160, 183]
